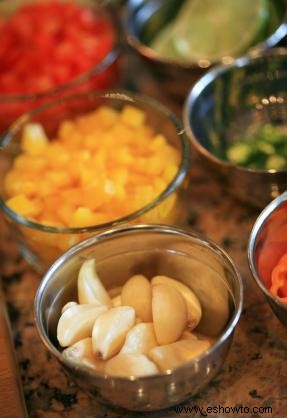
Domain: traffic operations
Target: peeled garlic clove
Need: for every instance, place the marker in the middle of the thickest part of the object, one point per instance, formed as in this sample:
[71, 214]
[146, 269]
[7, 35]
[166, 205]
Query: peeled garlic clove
[187, 335]
[165, 357]
[68, 305]
[194, 311]
[140, 339]
[125, 364]
[169, 313]
[110, 330]
[117, 301]
[190, 349]
[82, 353]
[76, 323]
[136, 292]
[90, 287]
[173, 355]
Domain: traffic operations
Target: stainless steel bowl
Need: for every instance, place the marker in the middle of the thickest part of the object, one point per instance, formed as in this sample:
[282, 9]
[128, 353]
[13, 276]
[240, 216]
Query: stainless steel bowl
[267, 243]
[144, 18]
[222, 104]
[150, 250]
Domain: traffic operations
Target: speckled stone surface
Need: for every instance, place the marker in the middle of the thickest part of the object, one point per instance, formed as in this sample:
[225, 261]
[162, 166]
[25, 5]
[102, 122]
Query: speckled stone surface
[254, 373]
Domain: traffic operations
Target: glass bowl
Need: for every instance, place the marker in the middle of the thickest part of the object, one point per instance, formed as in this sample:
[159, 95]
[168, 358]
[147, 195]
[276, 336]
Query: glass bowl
[267, 244]
[224, 105]
[145, 18]
[43, 243]
[104, 74]
[148, 250]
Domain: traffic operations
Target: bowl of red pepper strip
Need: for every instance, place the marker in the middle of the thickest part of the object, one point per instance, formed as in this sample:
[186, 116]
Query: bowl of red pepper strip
[267, 254]
[52, 47]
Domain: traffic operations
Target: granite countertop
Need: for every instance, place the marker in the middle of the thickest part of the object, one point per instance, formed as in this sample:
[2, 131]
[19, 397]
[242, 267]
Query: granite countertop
[255, 371]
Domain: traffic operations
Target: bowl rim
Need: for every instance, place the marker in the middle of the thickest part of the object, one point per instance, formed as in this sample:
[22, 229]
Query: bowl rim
[194, 95]
[106, 235]
[258, 225]
[271, 41]
[108, 60]
[120, 95]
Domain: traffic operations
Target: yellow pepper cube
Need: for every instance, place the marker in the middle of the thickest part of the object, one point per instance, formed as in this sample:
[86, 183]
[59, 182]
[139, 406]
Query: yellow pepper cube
[169, 172]
[24, 206]
[155, 165]
[66, 129]
[158, 142]
[45, 187]
[58, 178]
[82, 217]
[34, 140]
[107, 116]
[132, 116]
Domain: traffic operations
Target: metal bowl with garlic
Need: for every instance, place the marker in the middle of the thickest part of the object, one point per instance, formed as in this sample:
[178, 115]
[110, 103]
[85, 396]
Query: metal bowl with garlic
[148, 308]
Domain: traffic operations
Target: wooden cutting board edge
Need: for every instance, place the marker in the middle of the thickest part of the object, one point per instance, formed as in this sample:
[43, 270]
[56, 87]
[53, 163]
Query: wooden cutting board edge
[12, 403]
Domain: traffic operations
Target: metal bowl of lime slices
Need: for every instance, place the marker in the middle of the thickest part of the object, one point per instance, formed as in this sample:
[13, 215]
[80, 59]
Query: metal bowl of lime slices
[179, 40]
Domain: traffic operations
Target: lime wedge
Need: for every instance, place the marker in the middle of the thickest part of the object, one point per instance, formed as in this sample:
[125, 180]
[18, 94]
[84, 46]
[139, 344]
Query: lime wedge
[212, 29]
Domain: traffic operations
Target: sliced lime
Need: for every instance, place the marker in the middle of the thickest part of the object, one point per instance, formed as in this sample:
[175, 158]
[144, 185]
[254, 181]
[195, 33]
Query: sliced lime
[212, 29]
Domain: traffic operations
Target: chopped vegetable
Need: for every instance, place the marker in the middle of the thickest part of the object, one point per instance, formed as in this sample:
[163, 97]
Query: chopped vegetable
[101, 166]
[48, 43]
[264, 148]
[279, 279]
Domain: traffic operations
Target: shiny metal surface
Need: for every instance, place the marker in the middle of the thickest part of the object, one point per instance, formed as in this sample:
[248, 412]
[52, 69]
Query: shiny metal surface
[143, 18]
[227, 100]
[268, 237]
[149, 250]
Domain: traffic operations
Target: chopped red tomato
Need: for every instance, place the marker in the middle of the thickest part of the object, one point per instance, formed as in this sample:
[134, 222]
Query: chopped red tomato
[46, 44]
[279, 279]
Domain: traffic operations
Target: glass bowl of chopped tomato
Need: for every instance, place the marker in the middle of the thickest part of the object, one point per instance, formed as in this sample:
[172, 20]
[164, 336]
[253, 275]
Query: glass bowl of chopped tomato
[87, 162]
[52, 47]
[267, 253]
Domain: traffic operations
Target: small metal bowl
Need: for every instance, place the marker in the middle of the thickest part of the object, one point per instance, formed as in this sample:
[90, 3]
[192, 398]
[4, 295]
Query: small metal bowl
[144, 18]
[150, 250]
[267, 244]
[223, 104]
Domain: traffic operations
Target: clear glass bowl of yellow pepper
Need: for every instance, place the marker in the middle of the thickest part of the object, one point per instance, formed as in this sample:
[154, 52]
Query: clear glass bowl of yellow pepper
[87, 162]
